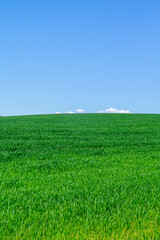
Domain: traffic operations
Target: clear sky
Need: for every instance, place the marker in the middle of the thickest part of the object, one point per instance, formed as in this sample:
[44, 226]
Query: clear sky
[57, 56]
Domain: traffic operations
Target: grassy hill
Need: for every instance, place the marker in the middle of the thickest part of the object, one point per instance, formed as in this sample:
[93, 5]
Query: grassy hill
[80, 176]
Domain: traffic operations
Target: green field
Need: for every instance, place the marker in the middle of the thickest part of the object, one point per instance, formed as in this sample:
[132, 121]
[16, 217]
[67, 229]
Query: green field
[80, 176]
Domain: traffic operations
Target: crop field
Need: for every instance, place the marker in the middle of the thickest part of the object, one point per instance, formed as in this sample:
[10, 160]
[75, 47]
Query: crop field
[80, 176]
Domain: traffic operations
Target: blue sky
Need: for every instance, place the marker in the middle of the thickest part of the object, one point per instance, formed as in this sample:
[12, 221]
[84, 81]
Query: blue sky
[58, 56]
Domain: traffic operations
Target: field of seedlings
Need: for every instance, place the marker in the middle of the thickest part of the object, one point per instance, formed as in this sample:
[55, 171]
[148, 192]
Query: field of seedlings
[80, 176]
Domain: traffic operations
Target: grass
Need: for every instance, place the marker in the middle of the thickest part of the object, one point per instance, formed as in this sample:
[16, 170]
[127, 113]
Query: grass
[81, 176]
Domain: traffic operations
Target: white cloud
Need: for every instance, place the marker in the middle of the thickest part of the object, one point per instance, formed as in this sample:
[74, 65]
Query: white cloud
[109, 110]
[113, 110]
[80, 111]
[77, 111]
[69, 112]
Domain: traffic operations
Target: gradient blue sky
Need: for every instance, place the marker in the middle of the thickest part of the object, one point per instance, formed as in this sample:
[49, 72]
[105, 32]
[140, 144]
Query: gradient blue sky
[63, 55]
